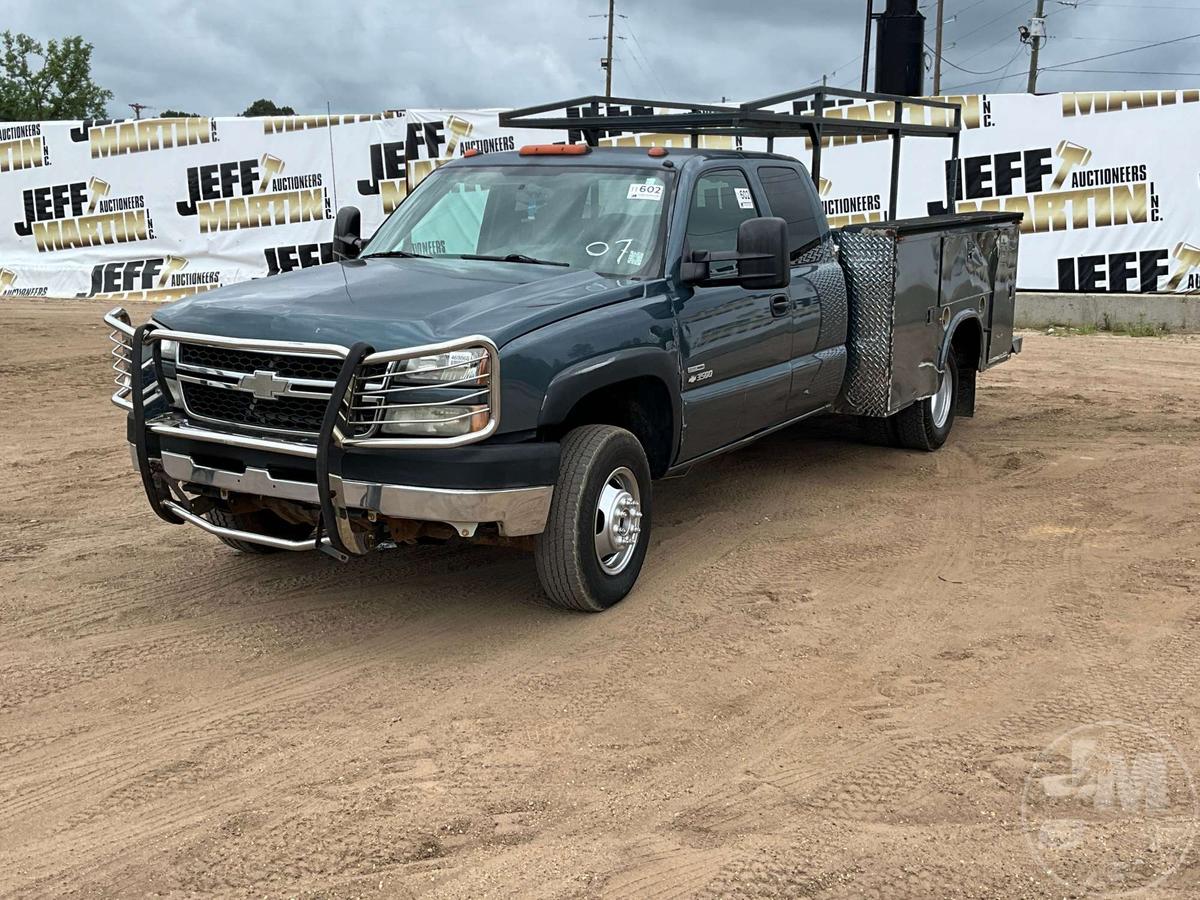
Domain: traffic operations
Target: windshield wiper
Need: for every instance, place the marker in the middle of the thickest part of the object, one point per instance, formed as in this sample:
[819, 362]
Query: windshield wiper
[397, 254]
[515, 257]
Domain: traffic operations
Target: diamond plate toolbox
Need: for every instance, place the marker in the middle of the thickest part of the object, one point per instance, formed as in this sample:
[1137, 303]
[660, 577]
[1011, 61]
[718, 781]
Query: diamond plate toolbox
[869, 260]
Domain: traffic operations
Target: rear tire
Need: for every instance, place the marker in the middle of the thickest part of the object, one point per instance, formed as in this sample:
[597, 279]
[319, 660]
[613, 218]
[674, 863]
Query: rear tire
[592, 550]
[926, 424]
[879, 431]
[260, 522]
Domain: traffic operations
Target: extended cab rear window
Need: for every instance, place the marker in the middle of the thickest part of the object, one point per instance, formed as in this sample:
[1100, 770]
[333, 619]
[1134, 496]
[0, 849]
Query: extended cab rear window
[792, 198]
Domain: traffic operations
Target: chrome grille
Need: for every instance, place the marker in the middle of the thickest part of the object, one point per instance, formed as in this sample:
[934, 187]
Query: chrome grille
[319, 368]
[220, 384]
[434, 395]
[283, 414]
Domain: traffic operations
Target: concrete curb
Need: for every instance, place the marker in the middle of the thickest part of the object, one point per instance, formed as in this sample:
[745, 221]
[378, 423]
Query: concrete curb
[1171, 312]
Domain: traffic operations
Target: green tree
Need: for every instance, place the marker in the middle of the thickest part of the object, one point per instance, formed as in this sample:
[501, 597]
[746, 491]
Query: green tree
[176, 114]
[53, 81]
[267, 108]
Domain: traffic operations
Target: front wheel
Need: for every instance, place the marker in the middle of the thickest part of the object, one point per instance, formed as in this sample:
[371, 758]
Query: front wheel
[592, 550]
[926, 424]
[261, 521]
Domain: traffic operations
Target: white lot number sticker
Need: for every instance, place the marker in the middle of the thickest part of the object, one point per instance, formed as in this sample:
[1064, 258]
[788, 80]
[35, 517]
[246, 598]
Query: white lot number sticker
[745, 201]
[645, 192]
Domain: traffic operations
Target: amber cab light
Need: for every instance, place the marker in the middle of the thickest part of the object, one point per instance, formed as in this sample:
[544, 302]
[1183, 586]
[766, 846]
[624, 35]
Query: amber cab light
[555, 149]
[656, 152]
[471, 151]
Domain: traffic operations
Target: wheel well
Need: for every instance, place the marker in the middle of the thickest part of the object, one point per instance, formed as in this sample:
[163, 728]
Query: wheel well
[640, 405]
[967, 344]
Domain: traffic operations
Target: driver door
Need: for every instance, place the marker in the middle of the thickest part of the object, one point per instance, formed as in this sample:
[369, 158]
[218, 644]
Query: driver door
[735, 343]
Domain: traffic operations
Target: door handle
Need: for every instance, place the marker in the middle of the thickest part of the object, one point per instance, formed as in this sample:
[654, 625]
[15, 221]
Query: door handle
[780, 304]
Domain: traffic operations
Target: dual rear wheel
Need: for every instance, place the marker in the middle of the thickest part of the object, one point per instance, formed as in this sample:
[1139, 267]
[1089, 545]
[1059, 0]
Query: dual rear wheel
[926, 424]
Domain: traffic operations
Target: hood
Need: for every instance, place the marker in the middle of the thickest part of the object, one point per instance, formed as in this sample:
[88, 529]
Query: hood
[396, 303]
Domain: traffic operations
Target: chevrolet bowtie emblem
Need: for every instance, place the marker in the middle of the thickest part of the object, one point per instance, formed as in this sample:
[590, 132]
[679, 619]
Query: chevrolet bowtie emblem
[264, 385]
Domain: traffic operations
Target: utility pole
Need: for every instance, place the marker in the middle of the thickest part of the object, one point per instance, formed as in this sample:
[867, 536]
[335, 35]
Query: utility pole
[867, 43]
[608, 58]
[137, 109]
[1037, 36]
[937, 50]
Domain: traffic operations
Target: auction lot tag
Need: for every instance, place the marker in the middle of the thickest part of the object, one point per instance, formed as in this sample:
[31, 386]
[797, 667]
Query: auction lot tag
[744, 199]
[645, 192]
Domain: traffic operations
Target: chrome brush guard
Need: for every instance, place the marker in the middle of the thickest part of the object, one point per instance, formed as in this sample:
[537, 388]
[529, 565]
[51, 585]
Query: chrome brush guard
[366, 383]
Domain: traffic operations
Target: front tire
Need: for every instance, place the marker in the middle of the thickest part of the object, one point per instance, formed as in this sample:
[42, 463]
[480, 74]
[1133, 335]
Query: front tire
[262, 521]
[592, 550]
[926, 424]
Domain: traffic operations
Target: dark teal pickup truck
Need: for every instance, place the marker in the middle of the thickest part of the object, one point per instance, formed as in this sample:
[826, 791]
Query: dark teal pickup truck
[534, 336]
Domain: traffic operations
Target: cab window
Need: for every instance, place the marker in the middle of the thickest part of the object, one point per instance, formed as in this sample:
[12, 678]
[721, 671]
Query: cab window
[791, 199]
[721, 202]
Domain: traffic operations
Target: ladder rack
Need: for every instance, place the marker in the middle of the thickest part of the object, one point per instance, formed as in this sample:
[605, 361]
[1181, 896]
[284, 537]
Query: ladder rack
[595, 117]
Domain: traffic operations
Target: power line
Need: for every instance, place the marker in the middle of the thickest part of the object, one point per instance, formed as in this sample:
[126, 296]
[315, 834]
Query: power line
[1124, 72]
[978, 53]
[972, 71]
[1070, 37]
[637, 61]
[1063, 6]
[833, 72]
[1132, 6]
[642, 54]
[1003, 77]
[972, 6]
[959, 87]
[993, 21]
[1073, 62]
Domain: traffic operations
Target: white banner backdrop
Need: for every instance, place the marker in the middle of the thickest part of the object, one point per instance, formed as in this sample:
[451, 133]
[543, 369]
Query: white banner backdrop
[160, 208]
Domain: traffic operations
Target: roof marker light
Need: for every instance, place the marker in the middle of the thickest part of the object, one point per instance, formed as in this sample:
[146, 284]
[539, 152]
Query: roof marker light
[555, 149]
[657, 152]
[471, 151]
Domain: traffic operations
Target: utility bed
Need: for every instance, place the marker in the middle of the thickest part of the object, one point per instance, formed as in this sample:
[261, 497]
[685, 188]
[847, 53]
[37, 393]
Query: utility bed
[909, 282]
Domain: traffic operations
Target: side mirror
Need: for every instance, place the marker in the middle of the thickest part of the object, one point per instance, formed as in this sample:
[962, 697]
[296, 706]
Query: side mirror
[347, 240]
[762, 245]
[762, 258]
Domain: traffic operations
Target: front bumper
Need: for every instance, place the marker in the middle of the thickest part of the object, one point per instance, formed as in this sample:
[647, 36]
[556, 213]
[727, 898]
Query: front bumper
[172, 453]
[516, 511]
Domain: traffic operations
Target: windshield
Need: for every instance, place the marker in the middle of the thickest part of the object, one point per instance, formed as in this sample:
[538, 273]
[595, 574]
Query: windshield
[606, 220]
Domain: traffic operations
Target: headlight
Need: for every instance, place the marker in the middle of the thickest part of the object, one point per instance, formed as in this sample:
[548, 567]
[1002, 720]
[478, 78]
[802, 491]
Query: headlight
[169, 351]
[451, 420]
[464, 367]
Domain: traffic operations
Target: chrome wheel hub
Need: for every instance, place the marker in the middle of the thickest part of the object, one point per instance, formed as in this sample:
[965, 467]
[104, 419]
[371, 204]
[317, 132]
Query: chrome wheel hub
[940, 402]
[618, 521]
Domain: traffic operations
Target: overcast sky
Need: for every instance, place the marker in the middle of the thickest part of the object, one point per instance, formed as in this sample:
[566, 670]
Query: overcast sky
[214, 57]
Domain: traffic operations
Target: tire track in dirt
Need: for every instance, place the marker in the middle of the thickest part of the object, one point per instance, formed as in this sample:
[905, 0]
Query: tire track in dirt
[830, 682]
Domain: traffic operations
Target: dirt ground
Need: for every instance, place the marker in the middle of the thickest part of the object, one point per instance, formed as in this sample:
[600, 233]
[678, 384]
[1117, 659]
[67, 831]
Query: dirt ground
[834, 679]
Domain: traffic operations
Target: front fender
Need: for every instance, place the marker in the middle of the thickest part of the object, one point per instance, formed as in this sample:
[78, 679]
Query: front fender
[581, 379]
[545, 371]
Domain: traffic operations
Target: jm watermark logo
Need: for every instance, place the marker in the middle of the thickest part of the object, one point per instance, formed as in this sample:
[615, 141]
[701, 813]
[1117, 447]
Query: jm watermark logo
[1110, 809]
